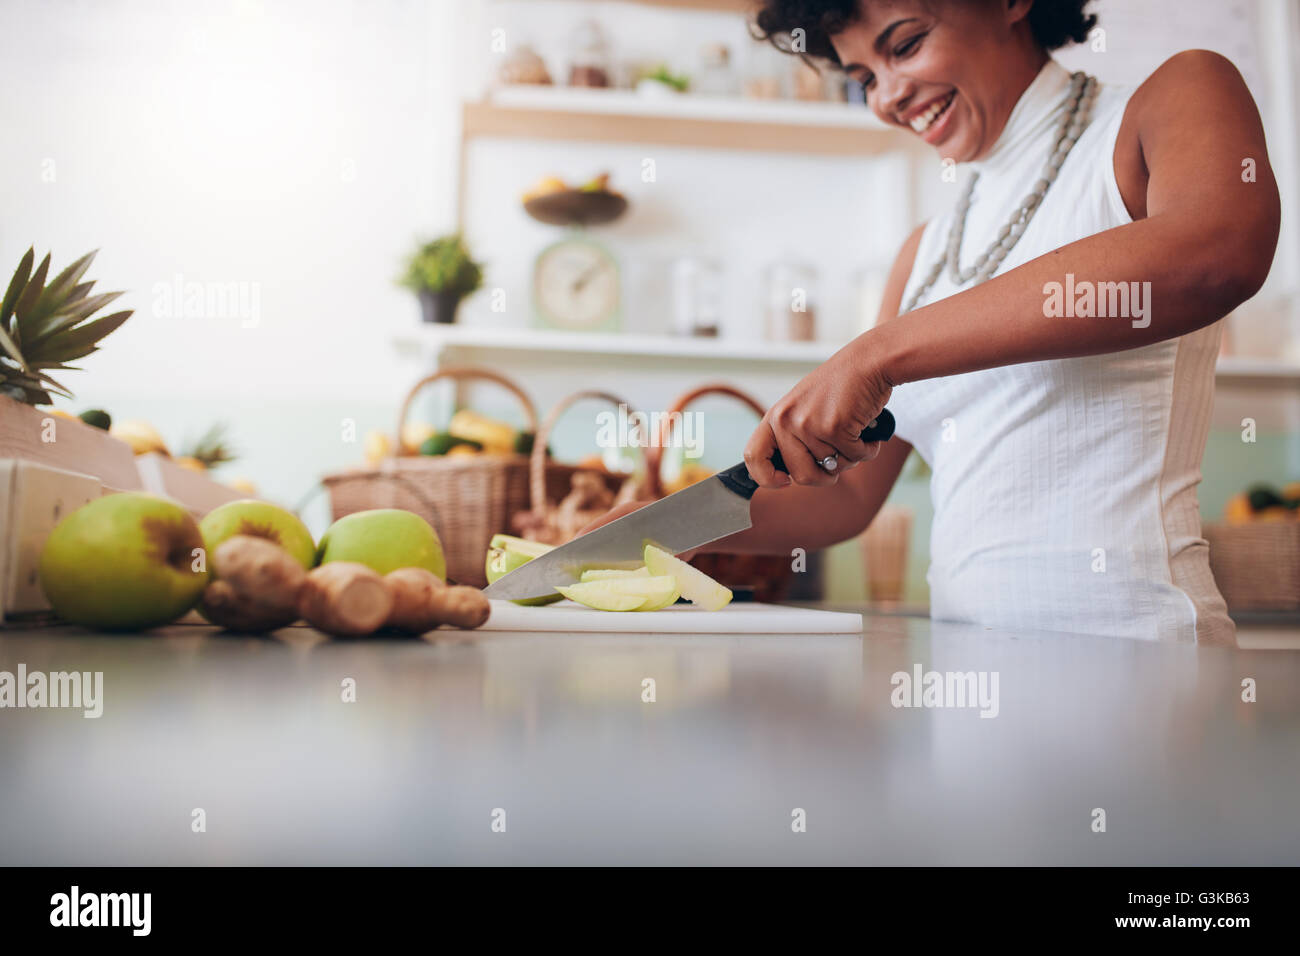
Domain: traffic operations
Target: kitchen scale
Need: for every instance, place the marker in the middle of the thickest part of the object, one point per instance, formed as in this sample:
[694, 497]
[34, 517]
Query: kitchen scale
[576, 282]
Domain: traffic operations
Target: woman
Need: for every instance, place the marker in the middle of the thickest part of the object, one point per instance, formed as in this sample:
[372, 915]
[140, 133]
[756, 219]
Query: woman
[1048, 346]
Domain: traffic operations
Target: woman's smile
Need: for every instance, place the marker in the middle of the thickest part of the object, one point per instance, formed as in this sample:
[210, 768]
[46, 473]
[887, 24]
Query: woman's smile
[933, 121]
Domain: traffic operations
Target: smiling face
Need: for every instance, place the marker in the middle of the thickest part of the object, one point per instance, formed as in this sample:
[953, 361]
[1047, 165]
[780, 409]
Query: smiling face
[948, 70]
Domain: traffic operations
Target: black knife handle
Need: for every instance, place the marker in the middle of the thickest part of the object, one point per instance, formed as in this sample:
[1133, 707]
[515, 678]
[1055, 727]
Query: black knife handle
[737, 476]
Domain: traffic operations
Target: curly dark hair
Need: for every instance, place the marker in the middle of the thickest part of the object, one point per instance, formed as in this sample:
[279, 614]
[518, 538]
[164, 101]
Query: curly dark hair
[1055, 23]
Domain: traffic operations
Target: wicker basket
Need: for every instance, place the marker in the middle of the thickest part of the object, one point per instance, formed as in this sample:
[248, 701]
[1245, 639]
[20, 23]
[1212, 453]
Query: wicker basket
[467, 499]
[543, 495]
[1257, 566]
[768, 576]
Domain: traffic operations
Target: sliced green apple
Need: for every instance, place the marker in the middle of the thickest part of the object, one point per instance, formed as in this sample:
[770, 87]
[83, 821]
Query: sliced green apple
[614, 574]
[696, 586]
[602, 596]
[508, 553]
[508, 542]
[624, 594]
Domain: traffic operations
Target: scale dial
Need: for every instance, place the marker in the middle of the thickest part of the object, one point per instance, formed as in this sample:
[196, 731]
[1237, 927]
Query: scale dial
[576, 286]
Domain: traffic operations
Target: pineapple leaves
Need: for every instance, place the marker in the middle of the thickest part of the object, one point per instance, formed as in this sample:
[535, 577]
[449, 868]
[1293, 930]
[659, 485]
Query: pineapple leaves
[81, 340]
[69, 277]
[27, 301]
[56, 296]
[44, 326]
[21, 274]
[73, 312]
[11, 348]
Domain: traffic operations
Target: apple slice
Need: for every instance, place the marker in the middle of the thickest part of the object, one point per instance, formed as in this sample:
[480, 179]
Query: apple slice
[508, 542]
[694, 585]
[626, 594]
[614, 574]
[602, 596]
[653, 605]
[506, 553]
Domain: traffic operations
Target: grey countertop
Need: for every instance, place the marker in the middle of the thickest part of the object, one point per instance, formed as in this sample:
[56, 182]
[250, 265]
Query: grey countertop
[744, 732]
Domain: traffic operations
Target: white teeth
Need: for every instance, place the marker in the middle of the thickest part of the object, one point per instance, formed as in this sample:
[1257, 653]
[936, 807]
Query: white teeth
[922, 122]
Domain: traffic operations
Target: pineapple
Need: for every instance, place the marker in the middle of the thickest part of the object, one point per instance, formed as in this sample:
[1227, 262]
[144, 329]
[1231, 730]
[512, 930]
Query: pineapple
[43, 327]
[209, 451]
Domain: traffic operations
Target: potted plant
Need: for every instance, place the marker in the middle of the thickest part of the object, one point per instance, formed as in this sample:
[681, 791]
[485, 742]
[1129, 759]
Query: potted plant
[442, 273]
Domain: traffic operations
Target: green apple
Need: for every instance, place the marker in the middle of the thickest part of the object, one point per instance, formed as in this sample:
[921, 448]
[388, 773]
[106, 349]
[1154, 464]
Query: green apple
[696, 586]
[508, 553]
[624, 594]
[613, 574]
[384, 540]
[260, 519]
[508, 542]
[124, 562]
[602, 596]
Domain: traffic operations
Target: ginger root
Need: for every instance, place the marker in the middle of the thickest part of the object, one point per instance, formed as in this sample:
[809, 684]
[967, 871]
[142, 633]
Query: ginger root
[421, 602]
[255, 586]
[413, 590]
[462, 606]
[259, 587]
[345, 599]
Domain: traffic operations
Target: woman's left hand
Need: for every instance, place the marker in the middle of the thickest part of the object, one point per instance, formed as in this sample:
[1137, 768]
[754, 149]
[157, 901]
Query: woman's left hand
[823, 415]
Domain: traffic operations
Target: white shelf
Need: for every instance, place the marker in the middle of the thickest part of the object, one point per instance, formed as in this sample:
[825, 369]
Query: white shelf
[687, 119]
[437, 339]
[690, 106]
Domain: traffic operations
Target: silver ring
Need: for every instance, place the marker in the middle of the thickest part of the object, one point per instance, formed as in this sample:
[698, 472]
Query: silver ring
[830, 462]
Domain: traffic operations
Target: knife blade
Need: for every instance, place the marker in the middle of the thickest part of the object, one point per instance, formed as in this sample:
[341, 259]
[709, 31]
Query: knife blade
[708, 510]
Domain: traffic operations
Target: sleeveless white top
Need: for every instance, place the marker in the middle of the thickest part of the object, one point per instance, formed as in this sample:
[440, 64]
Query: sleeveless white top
[1064, 491]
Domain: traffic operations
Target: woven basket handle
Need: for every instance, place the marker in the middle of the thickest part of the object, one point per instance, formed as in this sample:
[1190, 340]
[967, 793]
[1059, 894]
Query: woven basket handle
[654, 454]
[537, 461]
[465, 373]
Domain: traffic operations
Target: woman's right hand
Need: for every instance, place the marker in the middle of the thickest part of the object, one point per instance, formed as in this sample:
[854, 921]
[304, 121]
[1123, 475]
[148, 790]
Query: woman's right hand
[627, 508]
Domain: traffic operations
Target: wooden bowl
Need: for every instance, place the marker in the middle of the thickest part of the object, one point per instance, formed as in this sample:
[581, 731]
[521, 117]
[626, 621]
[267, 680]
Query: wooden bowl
[574, 207]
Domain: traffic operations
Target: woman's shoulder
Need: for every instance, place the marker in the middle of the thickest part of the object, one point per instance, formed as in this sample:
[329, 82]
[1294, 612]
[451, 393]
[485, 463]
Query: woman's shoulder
[1184, 80]
[1190, 67]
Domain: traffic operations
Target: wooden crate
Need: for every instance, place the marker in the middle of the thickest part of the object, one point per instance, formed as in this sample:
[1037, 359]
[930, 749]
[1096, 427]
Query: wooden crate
[37, 435]
[199, 494]
[33, 499]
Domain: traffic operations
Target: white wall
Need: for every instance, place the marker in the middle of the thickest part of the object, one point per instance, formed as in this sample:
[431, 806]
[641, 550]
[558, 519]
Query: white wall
[294, 147]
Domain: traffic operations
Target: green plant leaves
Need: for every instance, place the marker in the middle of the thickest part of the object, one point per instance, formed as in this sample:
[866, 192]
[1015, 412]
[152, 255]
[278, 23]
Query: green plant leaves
[443, 265]
[81, 340]
[31, 295]
[16, 285]
[44, 326]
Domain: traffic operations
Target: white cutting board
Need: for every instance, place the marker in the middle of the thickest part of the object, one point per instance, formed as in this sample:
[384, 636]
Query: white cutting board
[741, 617]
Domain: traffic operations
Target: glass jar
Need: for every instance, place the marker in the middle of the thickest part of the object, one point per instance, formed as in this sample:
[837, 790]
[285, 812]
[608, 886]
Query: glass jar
[715, 76]
[589, 63]
[697, 296]
[791, 302]
[766, 73]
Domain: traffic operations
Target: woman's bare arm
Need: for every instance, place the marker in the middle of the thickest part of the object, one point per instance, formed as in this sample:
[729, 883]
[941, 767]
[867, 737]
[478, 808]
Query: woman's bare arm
[1205, 232]
[1206, 212]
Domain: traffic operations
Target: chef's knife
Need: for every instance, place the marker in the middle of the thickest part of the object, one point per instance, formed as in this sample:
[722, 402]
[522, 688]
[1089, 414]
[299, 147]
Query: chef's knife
[705, 511]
